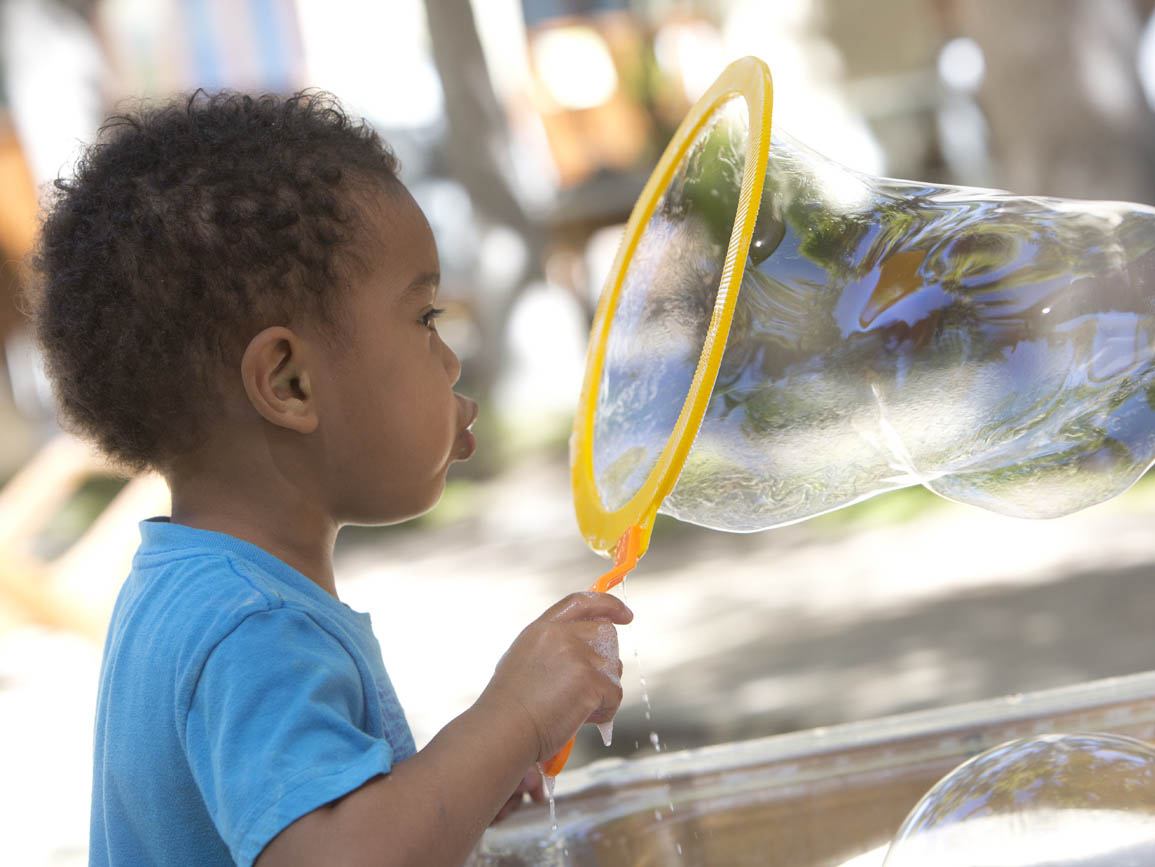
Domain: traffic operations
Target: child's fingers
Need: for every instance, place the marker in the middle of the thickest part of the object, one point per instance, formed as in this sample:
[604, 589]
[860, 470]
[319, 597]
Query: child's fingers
[603, 714]
[537, 793]
[613, 668]
[563, 667]
[590, 605]
[605, 639]
[601, 651]
[602, 638]
[533, 785]
[609, 695]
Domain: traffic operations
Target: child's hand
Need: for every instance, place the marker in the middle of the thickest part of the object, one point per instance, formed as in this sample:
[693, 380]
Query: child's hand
[563, 670]
[560, 672]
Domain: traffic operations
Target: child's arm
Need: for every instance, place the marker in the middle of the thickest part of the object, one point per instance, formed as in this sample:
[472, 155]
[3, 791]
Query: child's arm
[533, 785]
[432, 808]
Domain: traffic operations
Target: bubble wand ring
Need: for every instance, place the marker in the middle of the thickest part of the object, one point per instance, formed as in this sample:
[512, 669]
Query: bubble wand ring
[601, 527]
[626, 530]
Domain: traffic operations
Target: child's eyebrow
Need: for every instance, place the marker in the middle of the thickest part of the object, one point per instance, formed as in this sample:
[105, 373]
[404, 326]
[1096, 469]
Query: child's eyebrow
[421, 284]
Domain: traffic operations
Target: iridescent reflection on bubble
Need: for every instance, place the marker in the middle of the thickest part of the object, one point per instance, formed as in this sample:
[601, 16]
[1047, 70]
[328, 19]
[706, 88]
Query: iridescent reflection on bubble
[996, 349]
[664, 307]
[1078, 800]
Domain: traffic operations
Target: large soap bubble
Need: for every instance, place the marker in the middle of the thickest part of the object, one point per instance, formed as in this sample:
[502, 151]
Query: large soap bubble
[1078, 800]
[998, 349]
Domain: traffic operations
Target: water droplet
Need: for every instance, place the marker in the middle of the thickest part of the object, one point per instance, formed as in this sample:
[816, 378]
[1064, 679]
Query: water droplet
[606, 730]
[549, 783]
[767, 235]
[646, 702]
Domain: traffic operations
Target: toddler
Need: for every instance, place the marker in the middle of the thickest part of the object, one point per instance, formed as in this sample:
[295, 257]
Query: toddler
[239, 293]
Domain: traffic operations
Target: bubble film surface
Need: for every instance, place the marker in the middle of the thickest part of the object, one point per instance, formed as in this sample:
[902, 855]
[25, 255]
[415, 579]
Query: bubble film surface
[664, 306]
[996, 349]
[1081, 800]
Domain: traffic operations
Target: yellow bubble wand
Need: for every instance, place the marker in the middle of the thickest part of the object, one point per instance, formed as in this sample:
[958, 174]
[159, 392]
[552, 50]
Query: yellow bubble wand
[626, 530]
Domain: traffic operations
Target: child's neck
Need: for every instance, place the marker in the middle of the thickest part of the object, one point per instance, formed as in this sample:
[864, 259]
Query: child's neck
[275, 521]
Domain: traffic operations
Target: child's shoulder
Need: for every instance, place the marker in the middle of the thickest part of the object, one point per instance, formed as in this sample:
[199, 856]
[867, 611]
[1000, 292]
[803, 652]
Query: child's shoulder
[199, 586]
[189, 589]
[193, 565]
[194, 596]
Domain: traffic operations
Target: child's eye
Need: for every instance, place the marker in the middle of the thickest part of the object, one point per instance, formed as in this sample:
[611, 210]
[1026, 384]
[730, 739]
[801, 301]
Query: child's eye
[428, 318]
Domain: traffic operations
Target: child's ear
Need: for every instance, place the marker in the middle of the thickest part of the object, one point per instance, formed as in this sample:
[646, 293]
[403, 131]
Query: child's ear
[277, 381]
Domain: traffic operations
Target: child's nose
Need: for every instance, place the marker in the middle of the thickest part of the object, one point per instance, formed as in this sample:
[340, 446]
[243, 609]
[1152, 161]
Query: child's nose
[452, 364]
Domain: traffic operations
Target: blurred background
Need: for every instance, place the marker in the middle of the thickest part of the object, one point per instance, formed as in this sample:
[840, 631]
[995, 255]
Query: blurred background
[526, 129]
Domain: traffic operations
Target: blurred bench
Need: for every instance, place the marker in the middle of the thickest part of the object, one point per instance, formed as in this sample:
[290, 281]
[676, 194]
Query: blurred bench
[76, 589]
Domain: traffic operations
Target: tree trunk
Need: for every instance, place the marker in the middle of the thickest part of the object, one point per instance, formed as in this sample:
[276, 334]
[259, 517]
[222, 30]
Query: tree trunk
[1062, 95]
[478, 152]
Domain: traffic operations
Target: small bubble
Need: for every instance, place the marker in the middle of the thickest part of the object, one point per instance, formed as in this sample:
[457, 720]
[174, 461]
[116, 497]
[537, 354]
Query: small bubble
[1079, 800]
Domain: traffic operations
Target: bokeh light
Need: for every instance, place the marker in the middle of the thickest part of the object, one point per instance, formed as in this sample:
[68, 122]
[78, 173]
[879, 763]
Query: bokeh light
[576, 67]
[961, 64]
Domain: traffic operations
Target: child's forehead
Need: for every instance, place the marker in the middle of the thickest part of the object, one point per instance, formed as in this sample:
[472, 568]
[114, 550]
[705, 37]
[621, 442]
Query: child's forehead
[396, 240]
[387, 209]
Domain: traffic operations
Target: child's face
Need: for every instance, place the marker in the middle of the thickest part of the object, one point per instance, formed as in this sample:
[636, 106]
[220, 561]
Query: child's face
[390, 421]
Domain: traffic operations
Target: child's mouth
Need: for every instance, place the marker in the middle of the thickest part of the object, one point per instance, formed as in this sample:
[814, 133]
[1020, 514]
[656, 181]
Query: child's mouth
[469, 445]
[468, 442]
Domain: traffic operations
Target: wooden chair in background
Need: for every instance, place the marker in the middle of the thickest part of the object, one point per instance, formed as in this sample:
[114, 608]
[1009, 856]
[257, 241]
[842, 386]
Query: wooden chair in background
[75, 590]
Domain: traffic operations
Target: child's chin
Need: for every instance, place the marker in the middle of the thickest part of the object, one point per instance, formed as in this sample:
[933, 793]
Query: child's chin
[387, 514]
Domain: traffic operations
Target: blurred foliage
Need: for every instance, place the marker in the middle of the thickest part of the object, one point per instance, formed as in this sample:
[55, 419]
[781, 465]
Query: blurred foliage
[893, 507]
[76, 515]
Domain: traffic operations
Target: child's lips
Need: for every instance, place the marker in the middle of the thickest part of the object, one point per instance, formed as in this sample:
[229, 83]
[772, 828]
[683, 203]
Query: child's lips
[467, 441]
[468, 445]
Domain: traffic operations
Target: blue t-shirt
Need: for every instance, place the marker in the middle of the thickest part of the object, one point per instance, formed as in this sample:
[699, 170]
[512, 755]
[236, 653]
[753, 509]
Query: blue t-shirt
[235, 697]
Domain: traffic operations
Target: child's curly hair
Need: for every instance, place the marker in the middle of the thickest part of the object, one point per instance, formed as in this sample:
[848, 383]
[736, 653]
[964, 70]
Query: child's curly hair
[189, 227]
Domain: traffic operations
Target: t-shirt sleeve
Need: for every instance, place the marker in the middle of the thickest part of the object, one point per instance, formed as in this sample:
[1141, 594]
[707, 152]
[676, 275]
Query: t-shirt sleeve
[276, 728]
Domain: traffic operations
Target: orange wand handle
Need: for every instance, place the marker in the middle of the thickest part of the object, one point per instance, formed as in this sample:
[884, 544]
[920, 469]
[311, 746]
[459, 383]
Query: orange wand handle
[625, 559]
